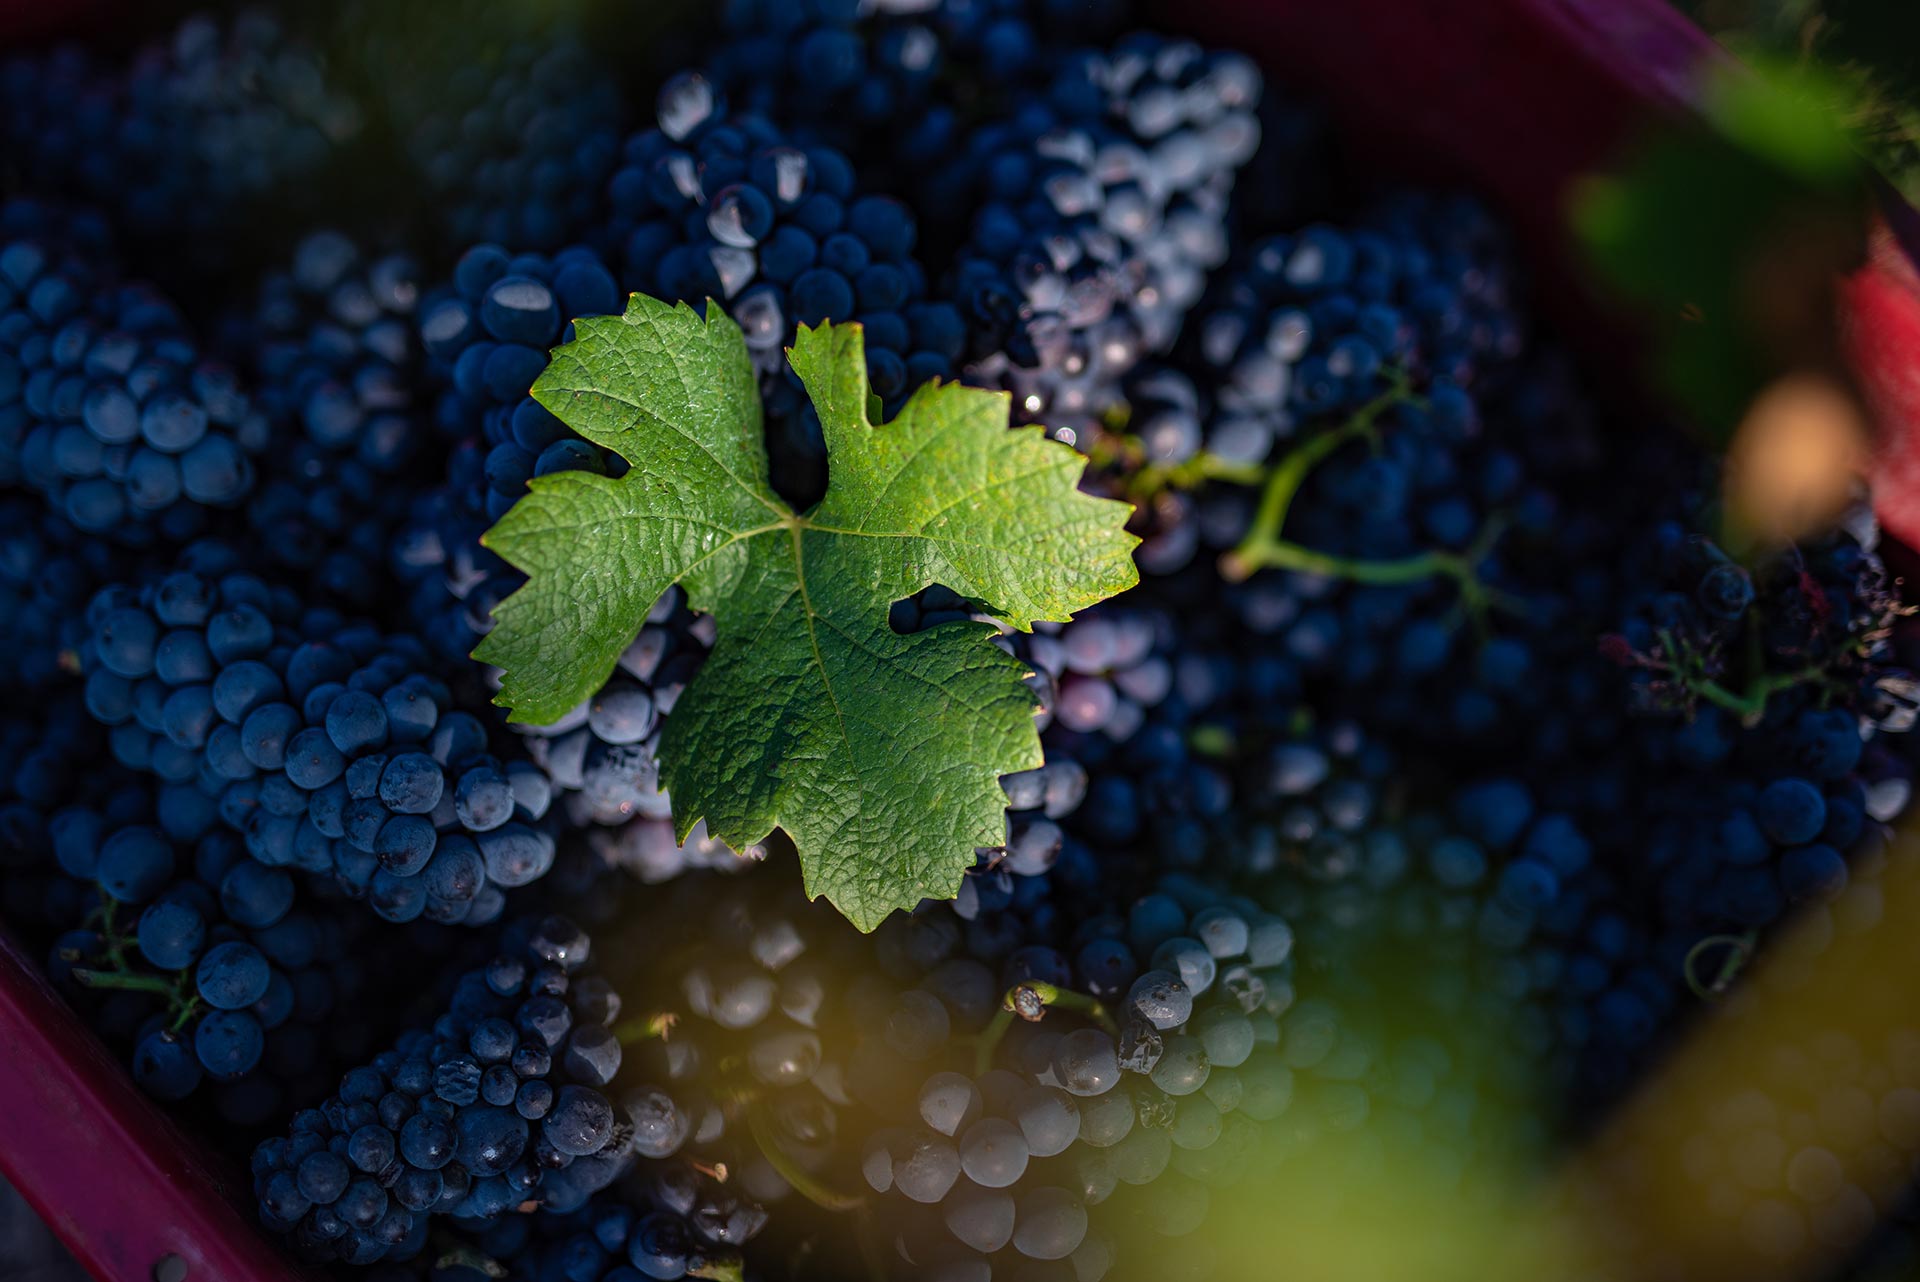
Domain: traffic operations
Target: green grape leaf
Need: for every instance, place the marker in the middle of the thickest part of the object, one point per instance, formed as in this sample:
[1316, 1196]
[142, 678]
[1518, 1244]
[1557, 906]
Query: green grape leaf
[878, 754]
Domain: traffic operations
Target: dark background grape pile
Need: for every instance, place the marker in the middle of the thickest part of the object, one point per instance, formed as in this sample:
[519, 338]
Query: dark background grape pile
[1466, 750]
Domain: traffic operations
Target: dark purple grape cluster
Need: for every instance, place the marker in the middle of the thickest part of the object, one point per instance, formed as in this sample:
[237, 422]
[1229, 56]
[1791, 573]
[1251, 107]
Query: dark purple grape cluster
[897, 84]
[988, 1103]
[1314, 324]
[193, 961]
[1702, 631]
[509, 121]
[108, 406]
[1305, 329]
[469, 1117]
[487, 334]
[1408, 556]
[1100, 206]
[330, 746]
[1761, 697]
[672, 1221]
[48, 572]
[719, 204]
[188, 136]
[330, 346]
[248, 993]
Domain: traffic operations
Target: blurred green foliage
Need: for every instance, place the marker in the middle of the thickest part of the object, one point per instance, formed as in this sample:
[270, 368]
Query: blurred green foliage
[1728, 233]
[1868, 54]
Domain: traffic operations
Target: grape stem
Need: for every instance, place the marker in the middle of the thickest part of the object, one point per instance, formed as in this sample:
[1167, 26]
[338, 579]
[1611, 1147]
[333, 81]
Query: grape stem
[1264, 548]
[131, 983]
[1030, 1000]
[103, 914]
[184, 1016]
[724, 1268]
[1120, 449]
[1750, 704]
[645, 1028]
[1149, 479]
[121, 980]
[104, 917]
[803, 1181]
[181, 1004]
[1291, 472]
[465, 1256]
[1740, 950]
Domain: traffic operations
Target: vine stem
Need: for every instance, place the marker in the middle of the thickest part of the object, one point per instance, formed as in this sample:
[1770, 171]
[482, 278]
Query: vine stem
[1030, 1001]
[1279, 554]
[103, 913]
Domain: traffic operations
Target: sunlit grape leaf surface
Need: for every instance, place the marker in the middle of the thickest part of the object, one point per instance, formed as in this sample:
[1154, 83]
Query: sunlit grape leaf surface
[877, 753]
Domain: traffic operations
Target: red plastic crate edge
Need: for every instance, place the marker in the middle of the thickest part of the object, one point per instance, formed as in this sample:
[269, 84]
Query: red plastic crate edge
[27, 19]
[107, 1171]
